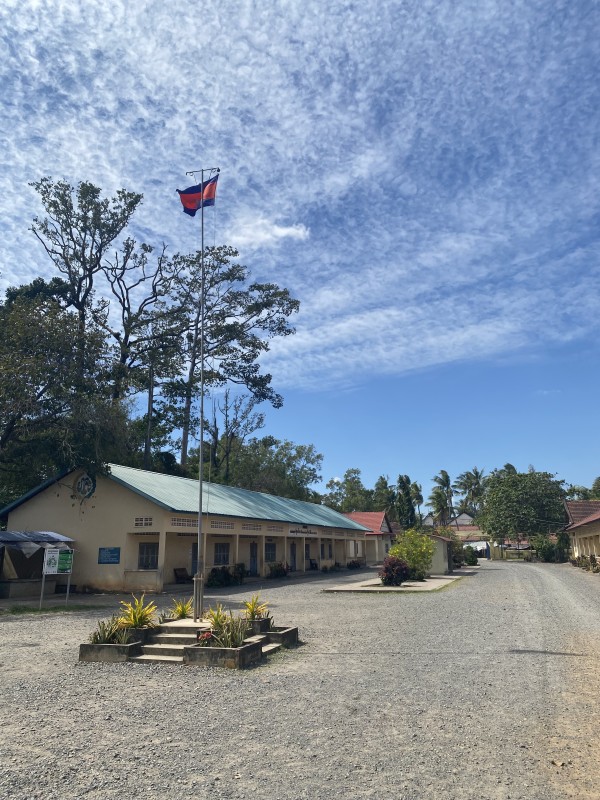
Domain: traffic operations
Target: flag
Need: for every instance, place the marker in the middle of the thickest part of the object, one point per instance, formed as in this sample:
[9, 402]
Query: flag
[201, 195]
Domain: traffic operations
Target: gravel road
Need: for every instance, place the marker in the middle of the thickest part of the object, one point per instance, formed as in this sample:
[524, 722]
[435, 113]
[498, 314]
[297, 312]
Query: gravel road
[485, 690]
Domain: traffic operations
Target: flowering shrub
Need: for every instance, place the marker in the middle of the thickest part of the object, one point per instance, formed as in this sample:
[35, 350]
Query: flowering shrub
[394, 571]
[416, 549]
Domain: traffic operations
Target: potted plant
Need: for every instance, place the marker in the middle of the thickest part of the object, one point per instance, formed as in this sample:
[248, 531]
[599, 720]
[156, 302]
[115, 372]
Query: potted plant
[257, 614]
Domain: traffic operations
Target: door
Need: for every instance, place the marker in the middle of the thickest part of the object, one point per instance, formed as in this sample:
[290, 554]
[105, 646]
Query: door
[293, 556]
[253, 558]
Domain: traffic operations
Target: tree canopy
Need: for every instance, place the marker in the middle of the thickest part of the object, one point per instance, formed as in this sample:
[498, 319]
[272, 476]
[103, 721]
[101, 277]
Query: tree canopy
[522, 504]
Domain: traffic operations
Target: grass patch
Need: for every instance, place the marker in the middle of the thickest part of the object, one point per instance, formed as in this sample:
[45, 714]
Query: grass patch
[22, 609]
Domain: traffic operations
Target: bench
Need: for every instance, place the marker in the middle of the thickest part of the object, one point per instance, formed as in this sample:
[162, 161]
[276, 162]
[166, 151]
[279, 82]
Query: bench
[182, 575]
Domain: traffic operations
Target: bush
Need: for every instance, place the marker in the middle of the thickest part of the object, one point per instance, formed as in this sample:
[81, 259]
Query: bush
[416, 549]
[110, 631]
[220, 576]
[470, 556]
[138, 614]
[354, 564]
[278, 570]
[394, 571]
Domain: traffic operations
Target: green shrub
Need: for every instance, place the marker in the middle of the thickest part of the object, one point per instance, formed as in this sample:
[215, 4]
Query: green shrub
[181, 609]
[415, 548]
[110, 631]
[226, 630]
[278, 570]
[138, 614]
[394, 571]
[470, 556]
[220, 576]
[354, 564]
[255, 609]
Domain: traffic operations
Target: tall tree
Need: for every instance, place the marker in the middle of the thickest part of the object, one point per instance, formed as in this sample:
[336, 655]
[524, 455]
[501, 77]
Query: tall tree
[349, 494]
[441, 496]
[54, 413]
[76, 233]
[229, 431]
[416, 493]
[384, 497]
[522, 504]
[240, 320]
[471, 485]
[405, 509]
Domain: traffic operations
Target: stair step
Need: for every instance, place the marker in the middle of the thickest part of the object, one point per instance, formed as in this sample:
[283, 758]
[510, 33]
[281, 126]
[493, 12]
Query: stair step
[173, 638]
[182, 627]
[163, 650]
[272, 647]
[149, 659]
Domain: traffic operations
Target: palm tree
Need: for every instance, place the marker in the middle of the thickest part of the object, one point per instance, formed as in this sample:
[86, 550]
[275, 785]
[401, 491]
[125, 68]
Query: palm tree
[416, 493]
[471, 485]
[441, 496]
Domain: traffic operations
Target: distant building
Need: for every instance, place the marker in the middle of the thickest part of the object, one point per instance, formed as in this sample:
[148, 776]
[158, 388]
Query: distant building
[379, 536]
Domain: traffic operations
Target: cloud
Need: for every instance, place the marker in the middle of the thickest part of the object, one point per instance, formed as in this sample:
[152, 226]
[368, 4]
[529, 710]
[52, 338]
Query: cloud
[423, 179]
[251, 233]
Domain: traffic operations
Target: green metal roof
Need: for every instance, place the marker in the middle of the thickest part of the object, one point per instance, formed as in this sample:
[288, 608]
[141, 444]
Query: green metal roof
[182, 495]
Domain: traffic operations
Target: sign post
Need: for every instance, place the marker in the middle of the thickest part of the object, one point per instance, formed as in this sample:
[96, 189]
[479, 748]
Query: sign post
[57, 562]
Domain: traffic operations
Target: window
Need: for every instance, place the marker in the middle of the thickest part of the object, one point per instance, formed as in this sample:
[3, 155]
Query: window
[330, 550]
[270, 551]
[148, 555]
[218, 523]
[142, 522]
[251, 526]
[322, 550]
[306, 550]
[222, 554]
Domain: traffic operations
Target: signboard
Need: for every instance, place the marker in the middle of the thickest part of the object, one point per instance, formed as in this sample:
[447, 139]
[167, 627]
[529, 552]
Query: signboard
[51, 561]
[302, 532]
[65, 562]
[109, 555]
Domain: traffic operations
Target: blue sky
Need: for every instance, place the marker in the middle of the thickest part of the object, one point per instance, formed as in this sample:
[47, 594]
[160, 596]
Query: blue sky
[423, 176]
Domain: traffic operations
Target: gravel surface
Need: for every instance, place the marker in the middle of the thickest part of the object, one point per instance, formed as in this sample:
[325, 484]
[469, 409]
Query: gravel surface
[485, 690]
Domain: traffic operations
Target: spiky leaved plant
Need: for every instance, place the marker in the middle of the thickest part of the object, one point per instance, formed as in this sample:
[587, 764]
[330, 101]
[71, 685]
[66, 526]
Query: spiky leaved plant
[254, 609]
[138, 614]
[181, 609]
[110, 631]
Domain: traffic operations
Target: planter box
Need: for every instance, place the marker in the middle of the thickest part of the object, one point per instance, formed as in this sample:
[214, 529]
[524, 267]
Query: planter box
[140, 634]
[259, 626]
[108, 652]
[230, 657]
[288, 637]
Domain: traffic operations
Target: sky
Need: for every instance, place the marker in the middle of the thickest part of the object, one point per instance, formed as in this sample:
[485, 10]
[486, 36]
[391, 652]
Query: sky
[421, 174]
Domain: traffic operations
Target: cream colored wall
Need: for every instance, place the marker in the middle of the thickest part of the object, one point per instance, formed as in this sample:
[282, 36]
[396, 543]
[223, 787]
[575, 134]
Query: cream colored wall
[439, 563]
[586, 541]
[106, 519]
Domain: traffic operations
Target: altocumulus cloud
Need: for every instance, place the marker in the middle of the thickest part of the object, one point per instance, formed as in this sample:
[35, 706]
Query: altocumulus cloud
[421, 176]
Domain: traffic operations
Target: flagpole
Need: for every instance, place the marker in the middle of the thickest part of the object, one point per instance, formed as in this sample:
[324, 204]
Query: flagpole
[199, 575]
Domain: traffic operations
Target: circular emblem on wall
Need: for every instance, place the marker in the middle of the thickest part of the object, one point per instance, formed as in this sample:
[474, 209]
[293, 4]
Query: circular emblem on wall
[84, 486]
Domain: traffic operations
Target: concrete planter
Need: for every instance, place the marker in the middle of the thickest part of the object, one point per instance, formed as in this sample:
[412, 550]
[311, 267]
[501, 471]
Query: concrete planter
[288, 637]
[259, 625]
[229, 657]
[140, 634]
[109, 653]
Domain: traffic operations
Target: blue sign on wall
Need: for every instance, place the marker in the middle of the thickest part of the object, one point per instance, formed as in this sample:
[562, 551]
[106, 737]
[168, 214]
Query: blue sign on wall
[109, 555]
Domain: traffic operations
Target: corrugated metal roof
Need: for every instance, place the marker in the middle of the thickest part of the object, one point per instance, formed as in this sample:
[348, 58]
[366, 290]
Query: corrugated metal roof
[182, 495]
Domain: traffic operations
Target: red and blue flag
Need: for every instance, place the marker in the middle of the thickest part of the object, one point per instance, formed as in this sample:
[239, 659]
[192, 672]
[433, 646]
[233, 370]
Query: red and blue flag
[196, 197]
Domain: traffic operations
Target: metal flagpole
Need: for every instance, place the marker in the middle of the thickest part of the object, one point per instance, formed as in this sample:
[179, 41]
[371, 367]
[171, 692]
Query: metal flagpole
[199, 575]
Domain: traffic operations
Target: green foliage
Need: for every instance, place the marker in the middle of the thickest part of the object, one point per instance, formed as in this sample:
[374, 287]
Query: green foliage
[223, 576]
[278, 570]
[254, 608]
[348, 494]
[394, 571]
[416, 549]
[138, 614]
[470, 556]
[354, 563]
[110, 631]
[405, 509]
[471, 485]
[181, 609]
[522, 504]
[226, 630]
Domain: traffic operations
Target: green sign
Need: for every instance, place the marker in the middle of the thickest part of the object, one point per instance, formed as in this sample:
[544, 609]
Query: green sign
[65, 562]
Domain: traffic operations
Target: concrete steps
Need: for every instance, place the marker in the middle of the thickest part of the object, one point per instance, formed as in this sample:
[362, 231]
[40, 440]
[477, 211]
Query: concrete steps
[166, 642]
